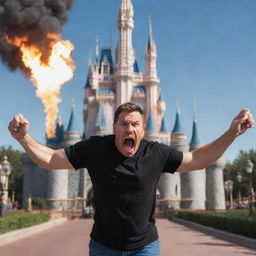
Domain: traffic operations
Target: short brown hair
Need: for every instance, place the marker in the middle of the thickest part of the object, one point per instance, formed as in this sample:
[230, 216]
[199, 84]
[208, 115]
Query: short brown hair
[127, 107]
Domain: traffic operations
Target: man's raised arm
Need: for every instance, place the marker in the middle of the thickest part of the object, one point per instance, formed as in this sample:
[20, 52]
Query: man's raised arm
[208, 154]
[43, 156]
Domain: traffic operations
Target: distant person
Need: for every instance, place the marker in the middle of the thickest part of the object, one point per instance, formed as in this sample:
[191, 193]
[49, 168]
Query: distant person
[125, 169]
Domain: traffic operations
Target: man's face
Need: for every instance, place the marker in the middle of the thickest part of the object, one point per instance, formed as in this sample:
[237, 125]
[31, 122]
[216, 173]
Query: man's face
[129, 130]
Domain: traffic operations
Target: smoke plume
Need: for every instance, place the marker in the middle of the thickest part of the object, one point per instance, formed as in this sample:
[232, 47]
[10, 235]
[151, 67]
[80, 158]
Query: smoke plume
[33, 19]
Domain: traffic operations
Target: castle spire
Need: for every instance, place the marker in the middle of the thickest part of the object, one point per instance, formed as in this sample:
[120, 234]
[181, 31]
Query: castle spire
[127, 5]
[71, 124]
[151, 79]
[100, 127]
[177, 126]
[97, 49]
[151, 55]
[151, 127]
[151, 41]
[125, 56]
[195, 140]
[163, 125]
[72, 135]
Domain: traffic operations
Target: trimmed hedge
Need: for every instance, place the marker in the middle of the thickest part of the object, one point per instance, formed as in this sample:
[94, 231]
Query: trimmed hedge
[237, 222]
[15, 221]
[39, 203]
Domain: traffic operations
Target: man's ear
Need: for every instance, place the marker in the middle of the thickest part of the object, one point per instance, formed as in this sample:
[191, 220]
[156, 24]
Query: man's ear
[114, 128]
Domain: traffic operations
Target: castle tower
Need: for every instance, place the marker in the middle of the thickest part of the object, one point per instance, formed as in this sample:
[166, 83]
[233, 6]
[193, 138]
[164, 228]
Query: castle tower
[125, 56]
[101, 123]
[215, 193]
[71, 135]
[151, 130]
[178, 141]
[150, 77]
[62, 183]
[165, 181]
[34, 180]
[194, 182]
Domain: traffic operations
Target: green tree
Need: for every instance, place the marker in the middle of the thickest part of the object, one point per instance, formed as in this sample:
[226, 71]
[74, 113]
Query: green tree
[16, 177]
[238, 166]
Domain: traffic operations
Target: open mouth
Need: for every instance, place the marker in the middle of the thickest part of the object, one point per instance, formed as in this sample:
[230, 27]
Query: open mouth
[129, 144]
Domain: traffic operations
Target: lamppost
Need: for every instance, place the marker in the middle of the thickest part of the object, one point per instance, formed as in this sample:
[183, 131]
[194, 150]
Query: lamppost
[239, 180]
[249, 170]
[5, 171]
[229, 189]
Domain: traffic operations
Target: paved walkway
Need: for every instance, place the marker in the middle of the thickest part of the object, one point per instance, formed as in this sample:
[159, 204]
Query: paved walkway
[72, 237]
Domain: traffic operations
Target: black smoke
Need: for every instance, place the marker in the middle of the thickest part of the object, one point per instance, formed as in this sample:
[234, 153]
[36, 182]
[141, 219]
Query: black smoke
[32, 18]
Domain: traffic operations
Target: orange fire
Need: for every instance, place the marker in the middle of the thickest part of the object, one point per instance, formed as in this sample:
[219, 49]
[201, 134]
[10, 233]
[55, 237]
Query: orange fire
[48, 77]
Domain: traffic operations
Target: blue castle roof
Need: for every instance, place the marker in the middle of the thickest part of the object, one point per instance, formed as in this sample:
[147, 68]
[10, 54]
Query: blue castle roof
[177, 126]
[72, 124]
[106, 52]
[103, 91]
[136, 67]
[59, 134]
[139, 88]
[151, 127]
[163, 126]
[101, 123]
[87, 83]
[195, 140]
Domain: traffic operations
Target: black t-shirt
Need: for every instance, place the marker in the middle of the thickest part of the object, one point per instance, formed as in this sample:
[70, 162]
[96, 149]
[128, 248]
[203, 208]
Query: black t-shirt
[124, 188]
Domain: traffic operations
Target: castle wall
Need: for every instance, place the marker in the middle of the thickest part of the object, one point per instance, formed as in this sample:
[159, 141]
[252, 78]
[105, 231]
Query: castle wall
[34, 180]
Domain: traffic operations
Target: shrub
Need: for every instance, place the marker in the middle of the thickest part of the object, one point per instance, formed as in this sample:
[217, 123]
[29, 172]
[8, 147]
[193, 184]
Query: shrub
[237, 222]
[39, 203]
[14, 221]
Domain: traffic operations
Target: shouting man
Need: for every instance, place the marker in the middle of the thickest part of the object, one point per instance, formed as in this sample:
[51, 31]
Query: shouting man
[125, 169]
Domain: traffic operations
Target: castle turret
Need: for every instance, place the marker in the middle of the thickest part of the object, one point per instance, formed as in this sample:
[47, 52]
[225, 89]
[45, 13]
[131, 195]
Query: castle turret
[178, 136]
[151, 129]
[215, 193]
[193, 183]
[180, 142]
[61, 182]
[71, 135]
[125, 53]
[151, 79]
[101, 127]
[150, 57]
[166, 181]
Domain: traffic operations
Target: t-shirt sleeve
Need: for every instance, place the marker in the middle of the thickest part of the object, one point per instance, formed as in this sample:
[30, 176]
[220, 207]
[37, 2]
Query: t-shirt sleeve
[80, 153]
[172, 158]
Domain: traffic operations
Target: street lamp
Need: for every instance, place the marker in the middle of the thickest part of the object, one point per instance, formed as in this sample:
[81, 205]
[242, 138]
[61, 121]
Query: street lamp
[239, 180]
[229, 189]
[5, 171]
[249, 170]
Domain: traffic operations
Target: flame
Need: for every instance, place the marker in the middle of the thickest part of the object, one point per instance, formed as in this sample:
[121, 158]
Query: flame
[47, 76]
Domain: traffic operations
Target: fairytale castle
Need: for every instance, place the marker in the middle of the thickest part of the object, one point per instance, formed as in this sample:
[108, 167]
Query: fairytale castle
[110, 83]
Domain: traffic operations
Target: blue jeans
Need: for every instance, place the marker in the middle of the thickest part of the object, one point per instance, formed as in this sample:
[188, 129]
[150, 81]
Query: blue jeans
[97, 249]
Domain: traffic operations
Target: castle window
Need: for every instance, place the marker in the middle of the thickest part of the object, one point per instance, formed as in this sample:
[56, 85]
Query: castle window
[105, 69]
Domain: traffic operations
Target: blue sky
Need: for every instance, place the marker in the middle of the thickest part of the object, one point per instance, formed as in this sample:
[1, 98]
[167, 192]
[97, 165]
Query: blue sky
[206, 52]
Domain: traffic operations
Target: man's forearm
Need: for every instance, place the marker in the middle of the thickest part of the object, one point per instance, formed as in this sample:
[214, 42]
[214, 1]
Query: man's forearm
[39, 153]
[206, 155]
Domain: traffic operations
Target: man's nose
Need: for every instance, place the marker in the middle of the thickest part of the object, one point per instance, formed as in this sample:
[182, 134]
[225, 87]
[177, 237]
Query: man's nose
[129, 128]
